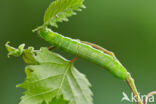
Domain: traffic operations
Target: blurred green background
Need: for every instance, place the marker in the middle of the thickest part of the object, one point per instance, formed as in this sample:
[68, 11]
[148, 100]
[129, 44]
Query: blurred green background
[126, 27]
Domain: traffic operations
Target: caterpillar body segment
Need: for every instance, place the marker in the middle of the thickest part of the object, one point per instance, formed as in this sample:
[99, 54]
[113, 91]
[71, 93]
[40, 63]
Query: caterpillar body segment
[85, 51]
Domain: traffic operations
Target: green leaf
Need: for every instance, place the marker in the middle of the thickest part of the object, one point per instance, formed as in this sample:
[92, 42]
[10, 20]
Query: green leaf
[57, 100]
[13, 51]
[28, 56]
[49, 76]
[60, 10]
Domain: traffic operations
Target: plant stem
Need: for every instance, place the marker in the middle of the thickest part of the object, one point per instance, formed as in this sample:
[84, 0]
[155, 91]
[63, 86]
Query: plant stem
[131, 84]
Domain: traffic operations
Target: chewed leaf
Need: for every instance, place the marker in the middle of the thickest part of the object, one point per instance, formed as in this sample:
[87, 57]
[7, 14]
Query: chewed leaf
[60, 10]
[13, 51]
[49, 76]
[28, 56]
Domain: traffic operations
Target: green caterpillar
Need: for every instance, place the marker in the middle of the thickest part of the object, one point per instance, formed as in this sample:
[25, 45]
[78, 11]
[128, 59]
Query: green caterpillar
[85, 51]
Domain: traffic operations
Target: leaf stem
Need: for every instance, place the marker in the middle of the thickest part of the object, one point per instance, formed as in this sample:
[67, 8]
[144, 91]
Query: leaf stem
[39, 28]
[131, 84]
[74, 59]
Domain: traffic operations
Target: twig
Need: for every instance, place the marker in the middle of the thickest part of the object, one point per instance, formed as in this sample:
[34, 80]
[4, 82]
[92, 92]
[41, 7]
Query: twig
[131, 84]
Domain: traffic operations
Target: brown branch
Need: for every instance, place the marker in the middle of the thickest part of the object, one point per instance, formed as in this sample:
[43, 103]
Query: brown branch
[131, 84]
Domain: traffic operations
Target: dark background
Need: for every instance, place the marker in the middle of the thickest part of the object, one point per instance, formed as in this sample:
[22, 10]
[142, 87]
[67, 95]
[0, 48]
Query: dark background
[126, 27]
